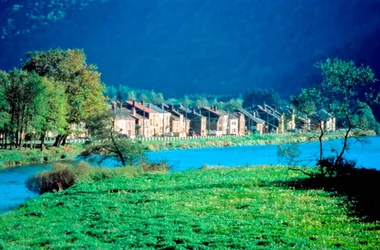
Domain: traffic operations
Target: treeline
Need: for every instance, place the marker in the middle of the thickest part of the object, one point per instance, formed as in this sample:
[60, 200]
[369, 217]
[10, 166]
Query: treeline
[51, 91]
[250, 98]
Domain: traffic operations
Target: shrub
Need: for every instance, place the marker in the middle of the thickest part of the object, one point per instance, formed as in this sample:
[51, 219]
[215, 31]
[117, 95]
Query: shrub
[83, 170]
[61, 177]
[155, 167]
[330, 167]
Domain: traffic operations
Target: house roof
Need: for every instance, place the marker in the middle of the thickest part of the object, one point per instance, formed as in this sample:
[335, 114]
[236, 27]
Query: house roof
[323, 115]
[130, 104]
[250, 116]
[215, 112]
[158, 109]
[269, 110]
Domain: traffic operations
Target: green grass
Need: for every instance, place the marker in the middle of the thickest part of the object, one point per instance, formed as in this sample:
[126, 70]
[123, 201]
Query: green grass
[213, 208]
[254, 139]
[18, 157]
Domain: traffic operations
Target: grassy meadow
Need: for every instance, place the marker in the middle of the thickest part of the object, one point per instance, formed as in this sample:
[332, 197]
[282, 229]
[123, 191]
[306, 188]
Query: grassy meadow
[242, 208]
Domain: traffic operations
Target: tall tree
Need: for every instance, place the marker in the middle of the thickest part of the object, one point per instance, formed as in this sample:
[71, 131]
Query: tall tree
[81, 83]
[23, 95]
[345, 91]
[4, 106]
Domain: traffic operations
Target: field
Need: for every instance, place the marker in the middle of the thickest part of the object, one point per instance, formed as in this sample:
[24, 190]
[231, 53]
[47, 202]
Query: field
[248, 207]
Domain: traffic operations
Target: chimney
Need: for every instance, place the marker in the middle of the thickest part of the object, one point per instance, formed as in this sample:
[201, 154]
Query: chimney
[172, 107]
[134, 103]
[215, 108]
[193, 111]
[133, 110]
[142, 102]
[148, 105]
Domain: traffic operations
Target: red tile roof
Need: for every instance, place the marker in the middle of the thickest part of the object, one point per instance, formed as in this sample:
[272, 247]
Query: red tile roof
[142, 107]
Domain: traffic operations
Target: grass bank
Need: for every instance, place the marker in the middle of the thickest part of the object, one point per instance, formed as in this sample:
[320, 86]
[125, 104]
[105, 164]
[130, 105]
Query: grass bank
[254, 139]
[248, 207]
[19, 157]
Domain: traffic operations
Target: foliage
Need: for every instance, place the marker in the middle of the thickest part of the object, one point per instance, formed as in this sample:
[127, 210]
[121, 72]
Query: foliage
[126, 151]
[330, 167]
[346, 92]
[261, 96]
[241, 208]
[80, 82]
[61, 177]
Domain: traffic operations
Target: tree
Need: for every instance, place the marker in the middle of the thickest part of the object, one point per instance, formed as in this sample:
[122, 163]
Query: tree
[81, 83]
[346, 91]
[126, 151]
[23, 94]
[131, 95]
[4, 107]
[52, 111]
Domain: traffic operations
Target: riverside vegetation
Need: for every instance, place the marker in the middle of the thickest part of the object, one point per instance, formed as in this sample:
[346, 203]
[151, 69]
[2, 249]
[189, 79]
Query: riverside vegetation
[247, 207]
[12, 158]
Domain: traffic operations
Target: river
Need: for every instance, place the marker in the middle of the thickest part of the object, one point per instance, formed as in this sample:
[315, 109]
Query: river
[12, 181]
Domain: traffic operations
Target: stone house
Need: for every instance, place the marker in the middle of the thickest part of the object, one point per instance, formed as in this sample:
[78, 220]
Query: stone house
[150, 127]
[123, 122]
[197, 124]
[180, 126]
[217, 121]
[252, 122]
[274, 120]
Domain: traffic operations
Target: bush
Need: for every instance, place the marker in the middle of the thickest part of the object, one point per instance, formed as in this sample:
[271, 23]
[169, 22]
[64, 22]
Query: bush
[61, 177]
[155, 167]
[331, 168]
[83, 170]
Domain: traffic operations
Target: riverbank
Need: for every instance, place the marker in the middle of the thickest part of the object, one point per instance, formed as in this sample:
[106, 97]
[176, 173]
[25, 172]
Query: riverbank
[12, 158]
[254, 139]
[19, 157]
[250, 207]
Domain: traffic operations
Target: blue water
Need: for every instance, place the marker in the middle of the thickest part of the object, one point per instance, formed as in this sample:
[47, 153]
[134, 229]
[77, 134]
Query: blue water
[12, 181]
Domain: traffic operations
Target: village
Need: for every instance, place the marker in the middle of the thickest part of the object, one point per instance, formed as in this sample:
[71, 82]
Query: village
[140, 119]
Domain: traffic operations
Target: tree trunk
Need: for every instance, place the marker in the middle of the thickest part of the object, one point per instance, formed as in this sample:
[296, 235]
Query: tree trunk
[42, 141]
[340, 156]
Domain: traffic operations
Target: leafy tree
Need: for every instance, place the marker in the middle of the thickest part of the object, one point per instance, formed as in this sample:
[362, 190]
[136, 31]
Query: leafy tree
[143, 97]
[346, 91]
[52, 111]
[157, 98]
[260, 96]
[126, 151]
[131, 95]
[24, 95]
[81, 83]
[4, 106]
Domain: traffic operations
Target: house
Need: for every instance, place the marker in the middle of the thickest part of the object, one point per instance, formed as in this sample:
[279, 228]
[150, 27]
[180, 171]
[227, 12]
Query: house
[179, 125]
[163, 125]
[274, 120]
[233, 124]
[252, 122]
[323, 119]
[155, 115]
[217, 121]
[142, 124]
[198, 123]
[78, 130]
[123, 122]
[240, 123]
[296, 120]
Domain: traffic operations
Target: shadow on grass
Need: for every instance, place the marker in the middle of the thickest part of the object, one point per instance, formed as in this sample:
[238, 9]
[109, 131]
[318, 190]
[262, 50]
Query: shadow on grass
[360, 186]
